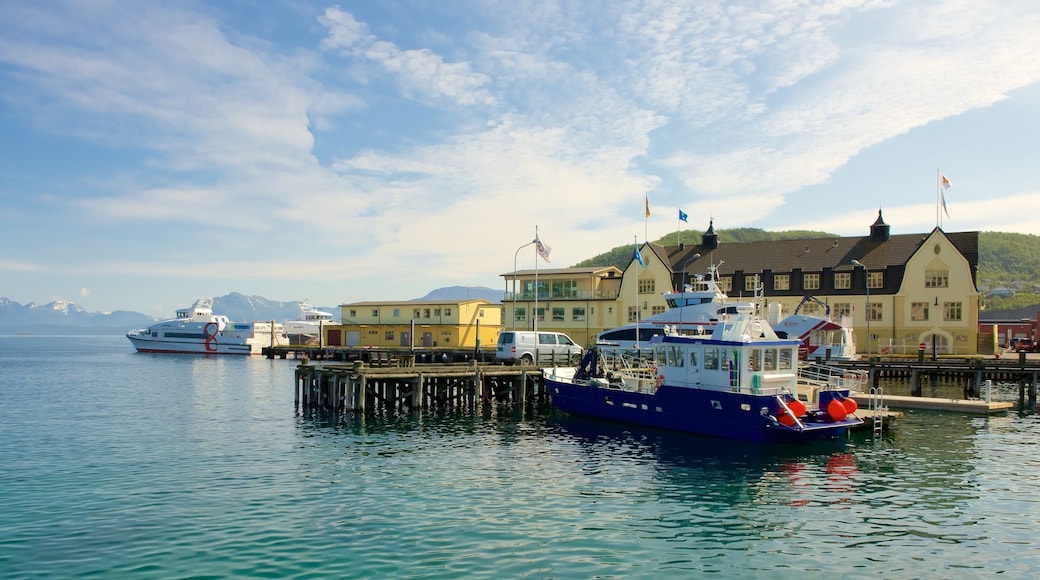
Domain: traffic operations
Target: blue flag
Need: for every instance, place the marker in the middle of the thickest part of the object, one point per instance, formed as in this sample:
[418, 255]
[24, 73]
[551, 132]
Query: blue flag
[639, 257]
[683, 216]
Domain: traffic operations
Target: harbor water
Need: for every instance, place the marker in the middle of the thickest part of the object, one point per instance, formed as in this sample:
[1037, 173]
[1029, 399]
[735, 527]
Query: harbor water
[115, 464]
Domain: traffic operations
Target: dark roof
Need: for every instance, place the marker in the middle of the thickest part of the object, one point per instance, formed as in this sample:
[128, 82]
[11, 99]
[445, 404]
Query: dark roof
[812, 255]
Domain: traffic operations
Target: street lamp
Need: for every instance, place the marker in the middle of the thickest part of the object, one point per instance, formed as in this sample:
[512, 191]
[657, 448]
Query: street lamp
[682, 289]
[514, 277]
[866, 311]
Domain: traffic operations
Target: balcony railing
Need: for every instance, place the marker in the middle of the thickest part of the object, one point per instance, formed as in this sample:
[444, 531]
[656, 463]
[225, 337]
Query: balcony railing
[545, 296]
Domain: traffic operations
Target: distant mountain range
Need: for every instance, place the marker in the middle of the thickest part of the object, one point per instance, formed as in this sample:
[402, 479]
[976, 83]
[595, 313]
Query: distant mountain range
[65, 317]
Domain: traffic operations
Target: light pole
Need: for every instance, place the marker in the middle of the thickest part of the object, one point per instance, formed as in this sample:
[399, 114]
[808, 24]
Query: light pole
[682, 289]
[514, 278]
[866, 311]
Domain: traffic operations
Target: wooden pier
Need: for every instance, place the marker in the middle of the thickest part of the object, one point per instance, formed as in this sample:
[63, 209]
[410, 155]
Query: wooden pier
[972, 373]
[358, 386]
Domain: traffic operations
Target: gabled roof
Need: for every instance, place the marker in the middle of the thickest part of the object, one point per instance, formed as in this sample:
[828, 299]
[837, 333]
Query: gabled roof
[420, 302]
[812, 255]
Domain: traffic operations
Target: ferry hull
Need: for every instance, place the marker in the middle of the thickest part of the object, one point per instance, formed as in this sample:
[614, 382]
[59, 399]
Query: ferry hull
[701, 411]
[188, 347]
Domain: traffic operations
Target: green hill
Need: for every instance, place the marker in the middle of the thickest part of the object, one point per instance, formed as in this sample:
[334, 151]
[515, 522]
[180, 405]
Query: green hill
[1008, 278]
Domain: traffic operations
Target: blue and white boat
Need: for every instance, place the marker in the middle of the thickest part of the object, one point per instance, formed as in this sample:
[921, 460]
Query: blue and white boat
[741, 382]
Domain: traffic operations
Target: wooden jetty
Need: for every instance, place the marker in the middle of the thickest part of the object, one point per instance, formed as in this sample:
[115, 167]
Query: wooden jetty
[358, 386]
[972, 373]
[966, 406]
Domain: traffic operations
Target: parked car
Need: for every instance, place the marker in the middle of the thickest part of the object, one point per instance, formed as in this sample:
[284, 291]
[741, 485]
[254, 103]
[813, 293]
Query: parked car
[527, 347]
[1024, 345]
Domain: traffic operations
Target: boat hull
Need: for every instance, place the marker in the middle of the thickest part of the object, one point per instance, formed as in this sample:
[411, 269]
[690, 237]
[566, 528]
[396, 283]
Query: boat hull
[170, 346]
[701, 411]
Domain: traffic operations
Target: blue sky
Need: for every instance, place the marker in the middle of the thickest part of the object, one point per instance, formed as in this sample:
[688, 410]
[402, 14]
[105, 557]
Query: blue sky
[156, 152]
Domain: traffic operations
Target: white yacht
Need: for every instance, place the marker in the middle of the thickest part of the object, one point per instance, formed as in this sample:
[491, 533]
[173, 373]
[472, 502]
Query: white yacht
[306, 329]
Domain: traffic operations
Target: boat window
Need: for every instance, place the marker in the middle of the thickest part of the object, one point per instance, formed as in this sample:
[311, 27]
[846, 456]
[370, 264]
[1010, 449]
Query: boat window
[693, 358]
[659, 353]
[675, 356]
[769, 359]
[711, 359]
[786, 356]
[729, 359]
[755, 359]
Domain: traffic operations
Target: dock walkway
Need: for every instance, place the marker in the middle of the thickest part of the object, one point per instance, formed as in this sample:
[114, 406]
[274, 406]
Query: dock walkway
[967, 406]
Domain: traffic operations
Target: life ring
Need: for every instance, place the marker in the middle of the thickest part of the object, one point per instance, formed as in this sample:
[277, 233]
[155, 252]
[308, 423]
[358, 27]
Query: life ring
[210, 333]
[659, 382]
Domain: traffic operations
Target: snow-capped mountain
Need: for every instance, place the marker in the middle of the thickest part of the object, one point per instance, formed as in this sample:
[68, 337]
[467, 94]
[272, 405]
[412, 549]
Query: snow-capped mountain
[66, 317]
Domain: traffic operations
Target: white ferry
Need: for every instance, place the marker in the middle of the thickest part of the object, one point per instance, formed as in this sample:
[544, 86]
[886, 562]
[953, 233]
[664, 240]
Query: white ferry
[196, 330]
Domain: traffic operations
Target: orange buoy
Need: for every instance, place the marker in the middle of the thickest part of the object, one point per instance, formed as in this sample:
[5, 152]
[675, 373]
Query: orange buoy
[850, 405]
[836, 410]
[797, 407]
[786, 419]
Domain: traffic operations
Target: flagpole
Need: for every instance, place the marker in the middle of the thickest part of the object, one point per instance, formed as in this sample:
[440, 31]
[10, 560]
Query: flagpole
[646, 220]
[535, 313]
[938, 218]
[635, 242]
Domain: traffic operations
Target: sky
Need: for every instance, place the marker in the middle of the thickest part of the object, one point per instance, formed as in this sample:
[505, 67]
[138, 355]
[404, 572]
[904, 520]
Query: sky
[155, 152]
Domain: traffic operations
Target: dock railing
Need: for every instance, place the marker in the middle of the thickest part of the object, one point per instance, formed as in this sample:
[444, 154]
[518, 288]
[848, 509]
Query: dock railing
[833, 377]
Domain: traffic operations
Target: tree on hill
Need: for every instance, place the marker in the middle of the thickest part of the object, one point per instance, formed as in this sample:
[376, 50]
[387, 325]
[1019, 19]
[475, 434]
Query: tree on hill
[622, 255]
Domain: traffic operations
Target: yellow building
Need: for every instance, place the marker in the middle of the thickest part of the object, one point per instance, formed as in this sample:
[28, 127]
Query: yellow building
[921, 287]
[417, 323]
[579, 302]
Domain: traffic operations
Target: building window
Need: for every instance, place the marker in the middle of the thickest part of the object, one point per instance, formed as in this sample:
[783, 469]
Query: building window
[647, 286]
[726, 284]
[578, 313]
[353, 313]
[415, 314]
[557, 314]
[633, 313]
[919, 311]
[874, 311]
[657, 309]
[541, 314]
[397, 313]
[447, 311]
[952, 311]
[810, 309]
[937, 279]
[842, 309]
[388, 335]
[876, 279]
[375, 313]
[480, 313]
[842, 280]
[782, 282]
[565, 289]
[811, 281]
[436, 311]
[426, 313]
[749, 283]
[520, 314]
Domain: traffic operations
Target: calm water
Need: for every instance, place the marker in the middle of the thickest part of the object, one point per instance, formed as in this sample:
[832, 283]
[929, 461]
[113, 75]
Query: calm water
[117, 464]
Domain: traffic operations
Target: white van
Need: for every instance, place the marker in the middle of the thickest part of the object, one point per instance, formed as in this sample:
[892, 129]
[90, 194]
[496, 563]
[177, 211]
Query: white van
[530, 347]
